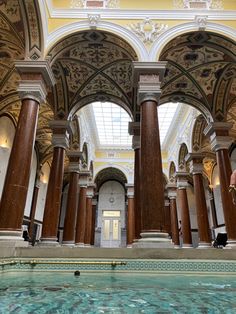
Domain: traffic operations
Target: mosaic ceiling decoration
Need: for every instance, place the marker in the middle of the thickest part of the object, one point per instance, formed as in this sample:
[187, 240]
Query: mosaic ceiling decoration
[201, 67]
[91, 66]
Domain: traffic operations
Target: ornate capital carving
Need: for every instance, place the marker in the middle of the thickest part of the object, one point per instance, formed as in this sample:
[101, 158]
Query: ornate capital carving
[90, 190]
[60, 140]
[130, 190]
[195, 162]
[219, 135]
[60, 137]
[148, 77]
[35, 90]
[182, 179]
[171, 190]
[29, 67]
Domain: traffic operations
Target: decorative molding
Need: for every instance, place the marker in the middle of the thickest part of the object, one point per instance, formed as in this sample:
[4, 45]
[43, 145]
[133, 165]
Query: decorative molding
[35, 90]
[147, 30]
[60, 140]
[201, 21]
[198, 4]
[109, 4]
[93, 20]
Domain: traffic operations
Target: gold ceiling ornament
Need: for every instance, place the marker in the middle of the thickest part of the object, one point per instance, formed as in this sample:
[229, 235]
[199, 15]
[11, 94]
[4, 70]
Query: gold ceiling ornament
[198, 4]
[147, 30]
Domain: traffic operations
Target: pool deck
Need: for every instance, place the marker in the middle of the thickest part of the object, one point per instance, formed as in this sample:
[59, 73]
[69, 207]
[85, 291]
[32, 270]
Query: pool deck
[118, 253]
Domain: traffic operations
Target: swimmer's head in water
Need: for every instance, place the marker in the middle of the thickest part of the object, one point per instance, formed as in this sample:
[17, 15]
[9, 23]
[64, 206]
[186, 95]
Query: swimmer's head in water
[77, 273]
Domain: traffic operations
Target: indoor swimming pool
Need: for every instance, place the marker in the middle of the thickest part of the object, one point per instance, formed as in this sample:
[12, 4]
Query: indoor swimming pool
[50, 292]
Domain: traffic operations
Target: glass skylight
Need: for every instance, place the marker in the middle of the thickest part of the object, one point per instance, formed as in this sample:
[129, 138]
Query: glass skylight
[166, 114]
[112, 123]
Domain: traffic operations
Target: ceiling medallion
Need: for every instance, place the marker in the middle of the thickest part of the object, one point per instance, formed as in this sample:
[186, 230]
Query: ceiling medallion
[147, 30]
[111, 199]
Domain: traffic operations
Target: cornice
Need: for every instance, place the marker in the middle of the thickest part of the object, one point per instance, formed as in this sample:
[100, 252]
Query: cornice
[118, 14]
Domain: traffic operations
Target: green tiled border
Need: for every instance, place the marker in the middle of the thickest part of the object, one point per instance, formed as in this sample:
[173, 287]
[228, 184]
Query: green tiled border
[143, 265]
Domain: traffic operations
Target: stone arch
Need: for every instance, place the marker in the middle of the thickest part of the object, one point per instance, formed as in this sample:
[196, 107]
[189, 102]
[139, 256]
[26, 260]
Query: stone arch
[89, 66]
[200, 63]
[115, 29]
[199, 140]
[110, 174]
[172, 171]
[183, 151]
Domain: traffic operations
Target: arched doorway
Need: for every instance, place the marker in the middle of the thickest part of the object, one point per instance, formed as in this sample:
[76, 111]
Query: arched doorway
[111, 208]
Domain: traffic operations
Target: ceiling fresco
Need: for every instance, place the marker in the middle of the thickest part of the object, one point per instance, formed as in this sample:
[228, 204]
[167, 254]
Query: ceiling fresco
[201, 67]
[91, 65]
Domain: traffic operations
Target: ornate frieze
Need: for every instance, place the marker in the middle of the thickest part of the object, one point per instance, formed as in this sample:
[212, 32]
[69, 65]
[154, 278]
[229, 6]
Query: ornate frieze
[198, 4]
[100, 4]
[147, 30]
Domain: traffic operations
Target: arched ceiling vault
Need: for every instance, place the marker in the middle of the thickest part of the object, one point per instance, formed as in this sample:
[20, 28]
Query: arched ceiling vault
[201, 71]
[90, 66]
[110, 174]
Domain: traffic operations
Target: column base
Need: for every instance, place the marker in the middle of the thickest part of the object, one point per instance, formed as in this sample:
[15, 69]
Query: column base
[87, 245]
[48, 242]
[176, 246]
[204, 245]
[231, 244]
[68, 243]
[79, 245]
[154, 240]
[187, 246]
[12, 239]
[129, 246]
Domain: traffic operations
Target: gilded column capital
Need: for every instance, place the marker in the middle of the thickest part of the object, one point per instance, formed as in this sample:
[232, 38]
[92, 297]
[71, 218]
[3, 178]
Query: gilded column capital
[147, 78]
[218, 132]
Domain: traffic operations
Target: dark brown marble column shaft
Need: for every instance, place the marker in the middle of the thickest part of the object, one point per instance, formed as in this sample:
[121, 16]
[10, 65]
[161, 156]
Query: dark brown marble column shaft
[229, 208]
[174, 221]
[88, 226]
[185, 219]
[71, 209]
[53, 198]
[137, 194]
[201, 208]
[130, 221]
[18, 172]
[94, 207]
[152, 199]
[81, 216]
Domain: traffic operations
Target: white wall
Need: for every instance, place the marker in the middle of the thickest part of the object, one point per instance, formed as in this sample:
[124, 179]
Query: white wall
[217, 196]
[31, 185]
[43, 184]
[7, 133]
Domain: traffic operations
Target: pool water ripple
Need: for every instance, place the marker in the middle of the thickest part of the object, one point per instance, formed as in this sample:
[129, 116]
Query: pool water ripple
[59, 293]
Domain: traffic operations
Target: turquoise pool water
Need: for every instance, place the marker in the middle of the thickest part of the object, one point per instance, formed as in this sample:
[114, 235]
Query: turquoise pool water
[116, 293]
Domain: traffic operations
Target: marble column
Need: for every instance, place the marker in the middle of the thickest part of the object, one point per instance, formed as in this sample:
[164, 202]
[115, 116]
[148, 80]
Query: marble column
[53, 199]
[72, 199]
[134, 129]
[182, 184]
[172, 194]
[81, 214]
[32, 91]
[220, 142]
[130, 225]
[149, 76]
[196, 168]
[94, 208]
[89, 215]
[167, 226]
